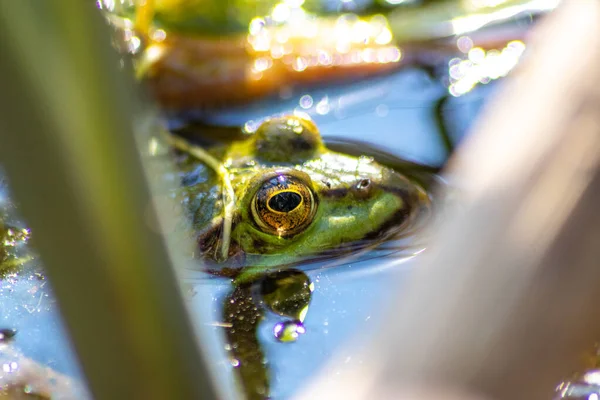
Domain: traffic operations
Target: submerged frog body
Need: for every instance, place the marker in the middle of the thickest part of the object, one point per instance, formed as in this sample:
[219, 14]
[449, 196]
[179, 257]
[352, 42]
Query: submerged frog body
[282, 196]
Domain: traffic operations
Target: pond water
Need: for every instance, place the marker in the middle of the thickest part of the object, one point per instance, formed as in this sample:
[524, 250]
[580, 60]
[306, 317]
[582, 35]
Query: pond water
[396, 113]
[281, 331]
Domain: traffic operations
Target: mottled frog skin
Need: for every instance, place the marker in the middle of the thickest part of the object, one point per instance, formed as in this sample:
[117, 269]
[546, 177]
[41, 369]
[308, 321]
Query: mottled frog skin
[288, 198]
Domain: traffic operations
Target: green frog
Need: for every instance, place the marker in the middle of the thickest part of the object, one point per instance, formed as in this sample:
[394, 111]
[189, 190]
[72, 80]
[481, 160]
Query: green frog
[280, 196]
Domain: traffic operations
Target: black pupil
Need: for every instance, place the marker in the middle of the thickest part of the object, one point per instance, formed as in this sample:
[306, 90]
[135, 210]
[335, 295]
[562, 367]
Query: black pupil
[285, 201]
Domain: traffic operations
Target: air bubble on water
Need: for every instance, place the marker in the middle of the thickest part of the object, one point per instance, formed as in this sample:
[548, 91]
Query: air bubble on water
[306, 101]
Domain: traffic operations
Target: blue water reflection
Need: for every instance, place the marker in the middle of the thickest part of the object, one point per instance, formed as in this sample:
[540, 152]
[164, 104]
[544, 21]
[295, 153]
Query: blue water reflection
[395, 113]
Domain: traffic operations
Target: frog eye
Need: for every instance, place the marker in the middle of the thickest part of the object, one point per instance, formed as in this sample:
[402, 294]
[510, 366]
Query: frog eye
[284, 205]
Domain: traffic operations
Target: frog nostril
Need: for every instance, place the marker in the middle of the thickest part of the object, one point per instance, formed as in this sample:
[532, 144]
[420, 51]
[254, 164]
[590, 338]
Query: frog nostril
[363, 184]
[363, 188]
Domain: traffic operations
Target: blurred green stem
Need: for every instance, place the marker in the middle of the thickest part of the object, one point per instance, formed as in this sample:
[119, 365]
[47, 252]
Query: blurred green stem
[67, 120]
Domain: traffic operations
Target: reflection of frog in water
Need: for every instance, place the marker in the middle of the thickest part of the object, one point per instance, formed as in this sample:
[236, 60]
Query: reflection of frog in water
[281, 196]
[286, 294]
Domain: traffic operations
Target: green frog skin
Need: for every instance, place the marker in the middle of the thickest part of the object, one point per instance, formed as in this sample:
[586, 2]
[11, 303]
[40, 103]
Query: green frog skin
[280, 196]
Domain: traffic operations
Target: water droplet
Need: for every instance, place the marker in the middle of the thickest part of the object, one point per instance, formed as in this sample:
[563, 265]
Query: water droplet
[159, 35]
[306, 101]
[299, 64]
[288, 331]
[476, 55]
[464, 44]
[382, 110]
[323, 106]
[10, 367]
[250, 127]
[256, 26]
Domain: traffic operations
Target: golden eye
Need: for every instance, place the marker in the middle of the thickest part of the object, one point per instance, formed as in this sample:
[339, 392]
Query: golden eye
[284, 205]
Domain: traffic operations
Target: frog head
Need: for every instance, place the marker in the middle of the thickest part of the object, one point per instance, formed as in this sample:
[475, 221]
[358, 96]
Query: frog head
[295, 198]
